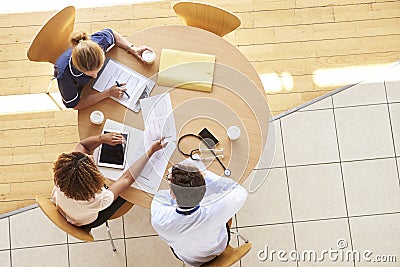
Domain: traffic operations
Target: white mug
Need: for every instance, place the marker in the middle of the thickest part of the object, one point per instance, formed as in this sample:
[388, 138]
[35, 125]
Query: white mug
[97, 117]
[148, 56]
[233, 132]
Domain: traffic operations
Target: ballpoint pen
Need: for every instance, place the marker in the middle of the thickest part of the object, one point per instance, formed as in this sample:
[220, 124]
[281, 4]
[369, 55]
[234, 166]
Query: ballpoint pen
[119, 85]
[165, 137]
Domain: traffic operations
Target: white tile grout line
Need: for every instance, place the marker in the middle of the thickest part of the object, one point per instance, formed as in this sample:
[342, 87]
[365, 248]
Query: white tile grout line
[292, 110]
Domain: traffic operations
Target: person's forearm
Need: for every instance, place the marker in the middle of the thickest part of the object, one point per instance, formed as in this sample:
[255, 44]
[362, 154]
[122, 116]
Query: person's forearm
[130, 175]
[88, 144]
[122, 42]
[137, 167]
[90, 100]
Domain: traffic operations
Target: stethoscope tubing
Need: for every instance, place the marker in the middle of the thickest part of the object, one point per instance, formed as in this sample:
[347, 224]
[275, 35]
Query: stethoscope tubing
[227, 171]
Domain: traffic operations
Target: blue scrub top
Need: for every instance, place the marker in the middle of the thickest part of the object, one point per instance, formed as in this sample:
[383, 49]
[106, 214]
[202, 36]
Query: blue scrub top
[71, 80]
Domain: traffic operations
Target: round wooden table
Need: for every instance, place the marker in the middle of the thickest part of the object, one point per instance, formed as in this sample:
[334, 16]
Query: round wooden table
[237, 98]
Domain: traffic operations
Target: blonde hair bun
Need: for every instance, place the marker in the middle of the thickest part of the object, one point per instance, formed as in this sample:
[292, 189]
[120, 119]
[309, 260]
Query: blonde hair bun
[77, 37]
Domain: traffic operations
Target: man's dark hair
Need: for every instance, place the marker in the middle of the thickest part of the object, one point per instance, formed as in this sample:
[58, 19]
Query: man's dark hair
[188, 185]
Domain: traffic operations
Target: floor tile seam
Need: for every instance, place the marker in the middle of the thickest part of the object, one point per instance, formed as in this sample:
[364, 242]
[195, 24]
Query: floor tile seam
[345, 107]
[320, 219]
[124, 235]
[342, 179]
[76, 242]
[9, 240]
[263, 224]
[334, 162]
[142, 236]
[390, 102]
[288, 187]
[360, 105]
[41, 246]
[68, 252]
[374, 214]
[268, 168]
[391, 131]
[316, 109]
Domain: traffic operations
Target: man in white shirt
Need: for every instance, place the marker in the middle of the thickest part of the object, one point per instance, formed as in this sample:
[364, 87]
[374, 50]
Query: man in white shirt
[192, 216]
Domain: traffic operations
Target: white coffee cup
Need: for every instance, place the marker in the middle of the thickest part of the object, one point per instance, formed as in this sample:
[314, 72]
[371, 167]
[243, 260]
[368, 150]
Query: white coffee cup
[233, 132]
[148, 56]
[97, 117]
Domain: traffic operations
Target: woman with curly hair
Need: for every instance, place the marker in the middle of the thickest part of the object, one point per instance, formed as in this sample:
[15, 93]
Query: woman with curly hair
[80, 192]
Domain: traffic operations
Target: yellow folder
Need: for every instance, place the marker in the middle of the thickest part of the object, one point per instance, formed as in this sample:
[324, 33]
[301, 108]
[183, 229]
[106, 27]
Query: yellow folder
[186, 70]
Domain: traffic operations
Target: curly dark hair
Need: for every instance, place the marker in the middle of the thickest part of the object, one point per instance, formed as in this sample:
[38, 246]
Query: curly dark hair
[188, 185]
[77, 176]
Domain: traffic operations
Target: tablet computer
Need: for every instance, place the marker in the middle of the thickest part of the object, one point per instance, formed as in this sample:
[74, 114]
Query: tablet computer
[113, 156]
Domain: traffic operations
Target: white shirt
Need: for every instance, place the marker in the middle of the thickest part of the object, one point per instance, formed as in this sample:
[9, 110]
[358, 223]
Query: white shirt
[200, 236]
[80, 212]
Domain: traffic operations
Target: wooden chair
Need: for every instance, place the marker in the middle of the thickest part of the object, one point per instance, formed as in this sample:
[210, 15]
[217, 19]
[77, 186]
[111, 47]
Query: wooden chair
[53, 38]
[51, 211]
[207, 17]
[230, 255]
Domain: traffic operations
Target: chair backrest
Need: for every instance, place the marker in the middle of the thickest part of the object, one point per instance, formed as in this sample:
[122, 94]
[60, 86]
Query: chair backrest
[229, 257]
[53, 38]
[51, 211]
[207, 17]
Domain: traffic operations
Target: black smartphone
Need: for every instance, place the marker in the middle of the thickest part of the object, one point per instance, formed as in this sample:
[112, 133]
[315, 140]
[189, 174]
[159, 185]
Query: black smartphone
[208, 138]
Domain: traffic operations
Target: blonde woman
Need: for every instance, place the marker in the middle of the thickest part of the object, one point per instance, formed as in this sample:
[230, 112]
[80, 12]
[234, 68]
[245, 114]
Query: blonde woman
[79, 187]
[77, 65]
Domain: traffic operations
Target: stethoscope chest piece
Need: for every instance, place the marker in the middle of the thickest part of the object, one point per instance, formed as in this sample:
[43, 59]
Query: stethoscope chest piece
[227, 172]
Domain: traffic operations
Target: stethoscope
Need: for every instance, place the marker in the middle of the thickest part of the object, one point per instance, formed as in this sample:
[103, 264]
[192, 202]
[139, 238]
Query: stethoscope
[194, 153]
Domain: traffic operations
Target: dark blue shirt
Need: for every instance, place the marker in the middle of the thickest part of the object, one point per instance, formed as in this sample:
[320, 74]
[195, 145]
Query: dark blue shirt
[71, 80]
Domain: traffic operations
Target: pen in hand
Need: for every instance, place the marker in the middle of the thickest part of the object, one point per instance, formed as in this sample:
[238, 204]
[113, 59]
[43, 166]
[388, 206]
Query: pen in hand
[119, 85]
[165, 137]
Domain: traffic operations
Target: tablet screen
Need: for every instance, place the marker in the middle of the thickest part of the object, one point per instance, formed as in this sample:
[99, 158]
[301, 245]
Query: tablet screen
[113, 156]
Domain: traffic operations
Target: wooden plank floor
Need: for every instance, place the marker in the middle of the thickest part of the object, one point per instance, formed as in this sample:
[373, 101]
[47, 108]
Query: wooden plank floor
[288, 40]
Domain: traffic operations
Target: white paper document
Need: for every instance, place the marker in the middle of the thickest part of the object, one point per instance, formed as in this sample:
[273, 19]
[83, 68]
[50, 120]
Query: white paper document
[158, 118]
[135, 82]
[159, 121]
[150, 178]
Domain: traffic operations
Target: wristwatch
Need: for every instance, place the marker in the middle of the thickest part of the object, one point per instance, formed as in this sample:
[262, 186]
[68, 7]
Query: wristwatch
[129, 47]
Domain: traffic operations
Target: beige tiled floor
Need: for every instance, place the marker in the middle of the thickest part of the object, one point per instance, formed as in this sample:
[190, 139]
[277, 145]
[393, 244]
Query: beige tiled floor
[321, 235]
[299, 127]
[364, 132]
[316, 192]
[328, 174]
